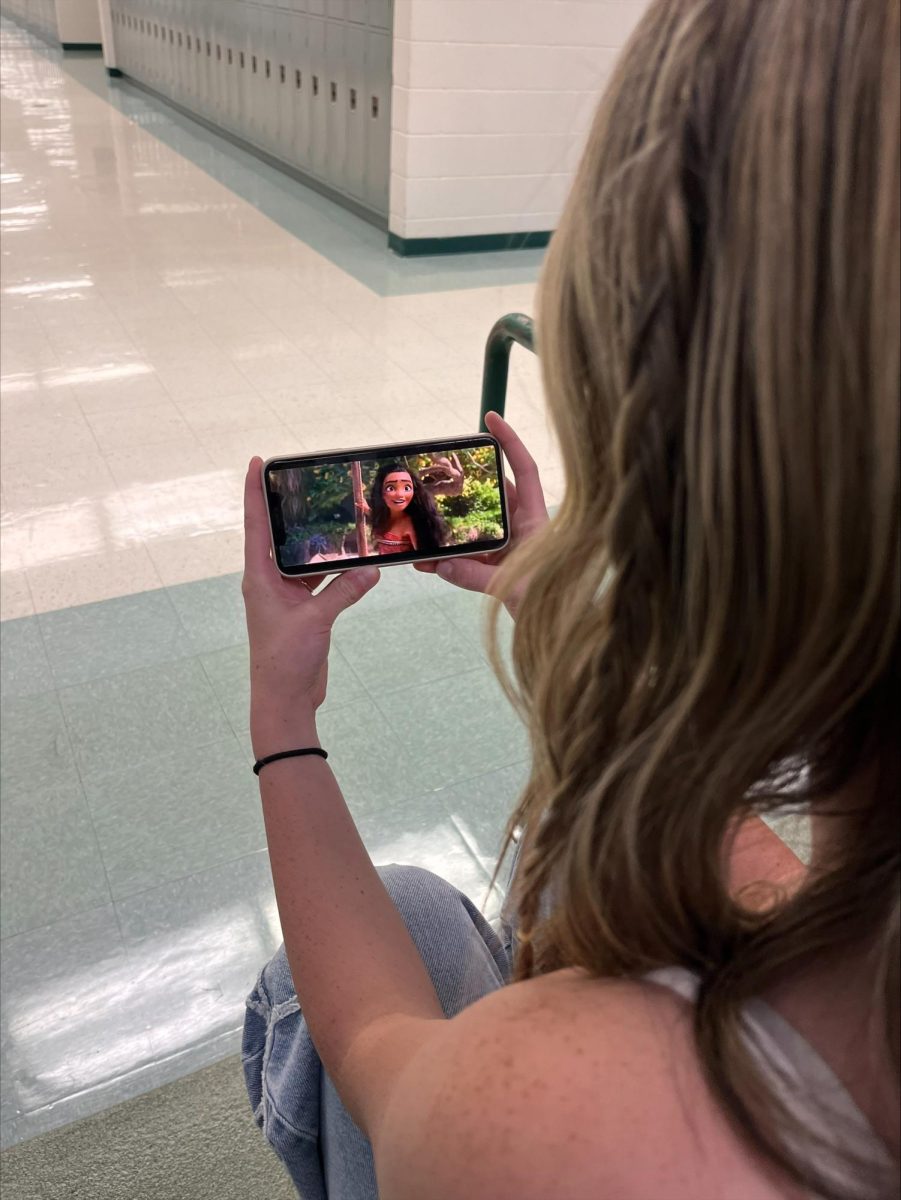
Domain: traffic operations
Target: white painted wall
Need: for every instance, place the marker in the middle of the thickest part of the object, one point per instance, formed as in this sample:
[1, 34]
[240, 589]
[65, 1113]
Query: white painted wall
[78, 21]
[491, 103]
[67, 21]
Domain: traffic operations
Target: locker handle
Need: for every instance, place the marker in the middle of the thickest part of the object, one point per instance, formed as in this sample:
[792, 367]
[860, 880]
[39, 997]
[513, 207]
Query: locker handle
[334, 91]
[375, 106]
[353, 99]
[229, 56]
[241, 59]
[315, 85]
[268, 69]
[218, 53]
[281, 73]
[298, 79]
[253, 63]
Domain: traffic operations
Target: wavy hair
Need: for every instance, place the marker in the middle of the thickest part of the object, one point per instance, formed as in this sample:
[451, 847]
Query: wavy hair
[428, 524]
[710, 623]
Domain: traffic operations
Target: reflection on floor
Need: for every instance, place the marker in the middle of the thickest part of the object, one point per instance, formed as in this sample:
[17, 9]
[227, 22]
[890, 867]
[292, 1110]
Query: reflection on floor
[158, 329]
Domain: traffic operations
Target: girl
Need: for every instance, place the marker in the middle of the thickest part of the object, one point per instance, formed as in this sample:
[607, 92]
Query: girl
[708, 630]
[403, 513]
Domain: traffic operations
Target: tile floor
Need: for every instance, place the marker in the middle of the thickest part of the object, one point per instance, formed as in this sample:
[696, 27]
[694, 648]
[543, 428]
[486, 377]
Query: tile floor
[170, 307]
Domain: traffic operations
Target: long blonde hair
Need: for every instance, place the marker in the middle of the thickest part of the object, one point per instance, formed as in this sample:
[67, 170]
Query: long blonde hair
[711, 621]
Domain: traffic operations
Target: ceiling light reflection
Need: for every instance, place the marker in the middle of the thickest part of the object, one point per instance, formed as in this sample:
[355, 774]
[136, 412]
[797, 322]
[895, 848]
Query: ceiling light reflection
[58, 285]
[176, 989]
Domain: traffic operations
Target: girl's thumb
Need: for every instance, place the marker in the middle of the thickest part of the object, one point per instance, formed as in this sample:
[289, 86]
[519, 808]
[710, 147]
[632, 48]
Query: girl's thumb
[346, 590]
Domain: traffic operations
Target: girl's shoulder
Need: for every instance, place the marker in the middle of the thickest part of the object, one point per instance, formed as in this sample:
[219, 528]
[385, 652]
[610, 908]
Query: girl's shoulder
[566, 1086]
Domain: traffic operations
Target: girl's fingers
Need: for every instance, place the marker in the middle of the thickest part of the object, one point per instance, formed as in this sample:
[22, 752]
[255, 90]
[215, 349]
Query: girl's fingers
[257, 559]
[467, 573]
[525, 469]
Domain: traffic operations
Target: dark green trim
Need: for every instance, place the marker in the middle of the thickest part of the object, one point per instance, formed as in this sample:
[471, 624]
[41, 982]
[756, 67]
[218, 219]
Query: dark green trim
[114, 72]
[471, 244]
[271, 160]
[81, 45]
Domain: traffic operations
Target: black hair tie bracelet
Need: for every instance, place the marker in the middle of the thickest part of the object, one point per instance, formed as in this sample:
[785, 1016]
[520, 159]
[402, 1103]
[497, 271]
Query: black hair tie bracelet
[261, 762]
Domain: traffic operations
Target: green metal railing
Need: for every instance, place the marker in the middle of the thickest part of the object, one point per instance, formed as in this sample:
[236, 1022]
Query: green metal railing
[514, 327]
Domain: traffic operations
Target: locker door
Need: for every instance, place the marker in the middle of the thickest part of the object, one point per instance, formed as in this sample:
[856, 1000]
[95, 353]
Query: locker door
[335, 104]
[230, 37]
[283, 76]
[218, 57]
[269, 78]
[378, 118]
[302, 91]
[243, 94]
[379, 14]
[318, 99]
[355, 11]
[204, 54]
[355, 111]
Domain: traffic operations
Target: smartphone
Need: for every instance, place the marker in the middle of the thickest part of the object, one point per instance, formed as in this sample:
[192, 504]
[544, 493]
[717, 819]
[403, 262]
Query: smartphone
[386, 504]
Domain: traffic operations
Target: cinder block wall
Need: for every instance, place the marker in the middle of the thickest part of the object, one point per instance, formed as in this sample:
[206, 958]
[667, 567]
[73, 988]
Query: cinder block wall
[491, 103]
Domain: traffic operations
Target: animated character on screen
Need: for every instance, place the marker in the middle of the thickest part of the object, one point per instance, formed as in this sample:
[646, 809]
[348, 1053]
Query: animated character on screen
[404, 515]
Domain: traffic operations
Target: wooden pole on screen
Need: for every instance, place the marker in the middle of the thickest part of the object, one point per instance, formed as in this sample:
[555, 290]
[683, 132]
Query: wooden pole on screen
[356, 475]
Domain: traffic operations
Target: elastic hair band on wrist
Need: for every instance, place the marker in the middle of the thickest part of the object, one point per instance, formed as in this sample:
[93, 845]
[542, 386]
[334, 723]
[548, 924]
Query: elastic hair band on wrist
[262, 762]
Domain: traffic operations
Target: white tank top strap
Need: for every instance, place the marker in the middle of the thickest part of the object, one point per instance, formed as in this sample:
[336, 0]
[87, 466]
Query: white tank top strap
[805, 1083]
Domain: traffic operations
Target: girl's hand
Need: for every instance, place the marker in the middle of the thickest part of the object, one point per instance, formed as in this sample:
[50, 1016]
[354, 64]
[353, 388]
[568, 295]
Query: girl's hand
[289, 629]
[526, 509]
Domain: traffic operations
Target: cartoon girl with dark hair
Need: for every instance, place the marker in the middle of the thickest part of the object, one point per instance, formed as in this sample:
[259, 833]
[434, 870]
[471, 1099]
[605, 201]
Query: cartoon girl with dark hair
[403, 513]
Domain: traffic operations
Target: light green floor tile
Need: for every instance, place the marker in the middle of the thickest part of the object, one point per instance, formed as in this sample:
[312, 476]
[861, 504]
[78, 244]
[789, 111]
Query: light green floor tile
[454, 729]
[397, 647]
[130, 720]
[231, 910]
[51, 866]
[397, 585]
[227, 671]
[178, 814]
[481, 807]
[24, 670]
[36, 752]
[420, 832]
[212, 612]
[113, 636]
[369, 760]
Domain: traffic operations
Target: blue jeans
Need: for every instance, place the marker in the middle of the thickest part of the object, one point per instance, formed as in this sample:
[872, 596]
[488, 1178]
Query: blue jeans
[294, 1101]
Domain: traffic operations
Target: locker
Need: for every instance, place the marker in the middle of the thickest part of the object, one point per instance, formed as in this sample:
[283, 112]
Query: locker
[355, 111]
[378, 119]
[235, 55]
[306, 80]
[379, 14]
[301, 93]
[336, 105]
[269, 49]
[283, 74]
[318, 160]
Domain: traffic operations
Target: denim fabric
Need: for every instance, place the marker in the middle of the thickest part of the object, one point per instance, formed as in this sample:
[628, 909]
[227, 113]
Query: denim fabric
[294, 1101]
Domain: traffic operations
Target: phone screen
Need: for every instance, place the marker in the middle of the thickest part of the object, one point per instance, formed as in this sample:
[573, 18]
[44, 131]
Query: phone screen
[389, 504]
